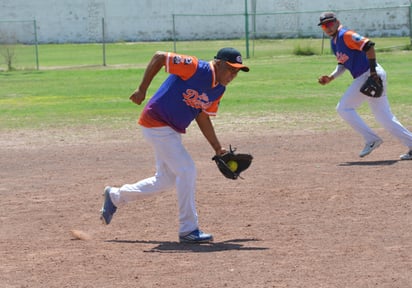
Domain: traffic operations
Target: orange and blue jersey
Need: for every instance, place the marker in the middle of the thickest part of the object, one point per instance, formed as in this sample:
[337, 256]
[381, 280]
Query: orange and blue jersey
[190, 88]
[347, 47]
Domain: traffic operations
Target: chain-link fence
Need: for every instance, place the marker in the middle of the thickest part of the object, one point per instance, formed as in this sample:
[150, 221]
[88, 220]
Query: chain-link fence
[369, 21]
[19, 48]
[18, 44]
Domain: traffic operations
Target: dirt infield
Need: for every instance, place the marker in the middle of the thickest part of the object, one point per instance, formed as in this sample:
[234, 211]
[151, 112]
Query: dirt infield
[309, 213]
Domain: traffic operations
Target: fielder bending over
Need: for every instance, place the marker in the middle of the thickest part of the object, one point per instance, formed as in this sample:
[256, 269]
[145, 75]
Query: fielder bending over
[192, 91]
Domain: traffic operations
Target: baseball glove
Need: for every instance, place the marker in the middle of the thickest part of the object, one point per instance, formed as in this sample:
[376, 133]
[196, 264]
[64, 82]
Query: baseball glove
[231, 164]
[372, 87]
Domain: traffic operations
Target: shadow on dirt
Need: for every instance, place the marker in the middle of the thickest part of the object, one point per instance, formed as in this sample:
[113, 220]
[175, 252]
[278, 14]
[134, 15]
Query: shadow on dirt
[176, 247]
[370, 163]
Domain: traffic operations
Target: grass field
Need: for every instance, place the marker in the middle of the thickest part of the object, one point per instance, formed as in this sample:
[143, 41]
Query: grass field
[73, 88]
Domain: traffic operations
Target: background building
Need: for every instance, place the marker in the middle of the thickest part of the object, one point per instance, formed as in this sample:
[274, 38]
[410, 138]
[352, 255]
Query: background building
[81, 21]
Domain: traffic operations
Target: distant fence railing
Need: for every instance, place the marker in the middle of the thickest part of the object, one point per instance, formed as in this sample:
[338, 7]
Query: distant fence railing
[370, 21]
[18, 38]
[13, 32]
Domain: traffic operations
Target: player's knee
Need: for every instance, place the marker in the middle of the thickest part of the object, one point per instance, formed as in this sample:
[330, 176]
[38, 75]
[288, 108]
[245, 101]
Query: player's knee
[339, 109]
[164, 179]
[342, 110]
[186, 169]
[188, 172]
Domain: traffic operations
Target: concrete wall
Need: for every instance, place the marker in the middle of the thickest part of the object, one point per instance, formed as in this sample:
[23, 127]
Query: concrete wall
[148, 20]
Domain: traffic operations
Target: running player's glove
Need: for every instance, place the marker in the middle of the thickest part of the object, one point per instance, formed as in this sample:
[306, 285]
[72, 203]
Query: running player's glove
[372, 87]
[232, 164]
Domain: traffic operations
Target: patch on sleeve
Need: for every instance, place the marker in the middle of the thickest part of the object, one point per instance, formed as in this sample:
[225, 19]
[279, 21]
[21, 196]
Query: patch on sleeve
[356, 37]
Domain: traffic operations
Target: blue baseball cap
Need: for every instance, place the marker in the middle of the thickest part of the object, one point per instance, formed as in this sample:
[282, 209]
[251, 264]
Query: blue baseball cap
[326, 17]
[232, 57]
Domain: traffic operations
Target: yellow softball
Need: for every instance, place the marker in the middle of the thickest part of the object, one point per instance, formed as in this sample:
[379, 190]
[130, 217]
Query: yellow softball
[232, 165]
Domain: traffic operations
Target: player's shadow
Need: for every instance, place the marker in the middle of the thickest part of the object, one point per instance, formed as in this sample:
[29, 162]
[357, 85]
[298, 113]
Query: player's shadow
[370, 163]
[177, 247]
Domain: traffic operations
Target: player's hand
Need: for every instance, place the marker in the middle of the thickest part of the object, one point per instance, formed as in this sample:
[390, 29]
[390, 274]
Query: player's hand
[138, 96]
[323, 80]
[221, 151]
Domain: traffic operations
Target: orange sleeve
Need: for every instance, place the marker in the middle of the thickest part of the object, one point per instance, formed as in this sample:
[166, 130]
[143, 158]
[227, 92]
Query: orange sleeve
[354, 41]
[181, 65]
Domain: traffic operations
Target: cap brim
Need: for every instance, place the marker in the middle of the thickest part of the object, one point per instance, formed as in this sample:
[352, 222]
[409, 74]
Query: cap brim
[239, 66]
[327, 20]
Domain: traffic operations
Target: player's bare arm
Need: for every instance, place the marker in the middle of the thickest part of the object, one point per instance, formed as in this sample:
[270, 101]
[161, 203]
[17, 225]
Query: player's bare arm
[206, 126]
[154, 66]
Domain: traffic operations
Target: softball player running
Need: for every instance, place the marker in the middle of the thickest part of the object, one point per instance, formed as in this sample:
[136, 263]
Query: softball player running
[192, 91]
[357, 54]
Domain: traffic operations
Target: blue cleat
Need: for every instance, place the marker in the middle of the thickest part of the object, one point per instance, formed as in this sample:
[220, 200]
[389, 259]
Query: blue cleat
[108, 208]
[369, 147]
[196, 236]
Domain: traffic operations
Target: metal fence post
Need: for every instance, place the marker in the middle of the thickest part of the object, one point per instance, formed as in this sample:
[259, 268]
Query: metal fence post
[410, 22]
[36, 44]
[247, 30]
[103, 42]
[174, 33]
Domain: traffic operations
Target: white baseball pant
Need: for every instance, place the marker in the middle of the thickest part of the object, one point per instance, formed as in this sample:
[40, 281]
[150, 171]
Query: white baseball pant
[174, 168]
[353, 98]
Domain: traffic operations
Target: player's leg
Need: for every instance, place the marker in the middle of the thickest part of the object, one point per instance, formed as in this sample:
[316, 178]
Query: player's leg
[164, 177]
[349, 102]
[163, 180]
[175, 167]
[179, 161]
[383, 114]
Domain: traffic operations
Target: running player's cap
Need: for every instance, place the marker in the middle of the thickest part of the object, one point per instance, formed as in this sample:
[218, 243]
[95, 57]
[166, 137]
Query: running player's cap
[327, 17]
[232, 57]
